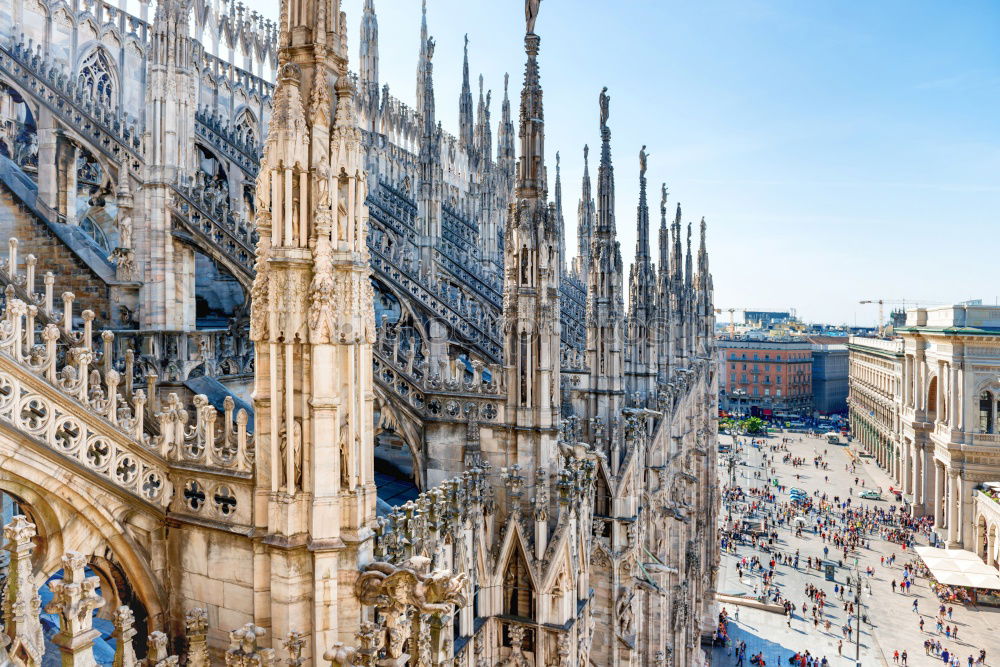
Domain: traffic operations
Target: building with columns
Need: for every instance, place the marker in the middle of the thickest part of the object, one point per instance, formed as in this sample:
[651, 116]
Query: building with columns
[925, 405]
[875, 379]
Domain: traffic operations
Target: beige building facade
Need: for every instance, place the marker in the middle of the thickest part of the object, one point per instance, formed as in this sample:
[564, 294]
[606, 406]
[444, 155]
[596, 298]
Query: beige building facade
[874, 398]
[941, 377]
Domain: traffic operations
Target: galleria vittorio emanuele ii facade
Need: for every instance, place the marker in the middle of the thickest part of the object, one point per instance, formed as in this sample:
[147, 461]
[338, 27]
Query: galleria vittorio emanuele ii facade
[291, 375]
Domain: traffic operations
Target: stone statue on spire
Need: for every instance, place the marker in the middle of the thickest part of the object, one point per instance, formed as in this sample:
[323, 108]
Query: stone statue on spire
[605, 107]
[642, 161]
[531, 14]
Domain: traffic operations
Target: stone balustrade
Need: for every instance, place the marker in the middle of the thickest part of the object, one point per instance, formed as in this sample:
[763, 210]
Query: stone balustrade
[112, 131]
[396, 591]
[50, 366]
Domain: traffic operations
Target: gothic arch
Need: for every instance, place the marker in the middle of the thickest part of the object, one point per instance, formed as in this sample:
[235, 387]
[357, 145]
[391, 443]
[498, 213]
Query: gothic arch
[396, 414]
[97, 74]
[81, 514]
[247, 126]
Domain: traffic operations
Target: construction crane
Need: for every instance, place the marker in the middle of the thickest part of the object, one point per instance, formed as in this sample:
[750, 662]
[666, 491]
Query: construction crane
[732, 320]
[881, 312]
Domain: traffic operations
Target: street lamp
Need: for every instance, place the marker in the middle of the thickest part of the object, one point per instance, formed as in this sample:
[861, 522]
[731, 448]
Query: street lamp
[855, 582]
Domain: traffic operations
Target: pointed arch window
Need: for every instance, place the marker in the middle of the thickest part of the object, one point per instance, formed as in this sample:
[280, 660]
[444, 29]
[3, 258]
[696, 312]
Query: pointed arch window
[246, 129]
[97, 79]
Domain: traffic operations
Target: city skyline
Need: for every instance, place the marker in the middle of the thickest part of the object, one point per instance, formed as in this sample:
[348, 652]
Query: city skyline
[893, 142]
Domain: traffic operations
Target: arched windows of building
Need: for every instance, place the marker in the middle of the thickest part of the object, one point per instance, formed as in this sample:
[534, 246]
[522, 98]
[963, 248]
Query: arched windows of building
[97, 79]
[988, 412]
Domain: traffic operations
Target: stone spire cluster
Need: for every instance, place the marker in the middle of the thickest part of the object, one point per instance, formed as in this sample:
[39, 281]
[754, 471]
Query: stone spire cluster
[531, 285]
[586, 215]
[605, 316]
[641, 355]
[312, 326]
[465, 124]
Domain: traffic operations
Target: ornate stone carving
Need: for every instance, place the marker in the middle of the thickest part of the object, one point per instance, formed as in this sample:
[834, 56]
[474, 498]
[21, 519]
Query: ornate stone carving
[74, 598]
[394, 589]
[196, 629]
[124, 632]
[243, 650]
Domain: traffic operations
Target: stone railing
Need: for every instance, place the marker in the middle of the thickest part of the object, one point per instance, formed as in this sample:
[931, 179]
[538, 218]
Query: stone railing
[217, 228]
[176, 356]
[395, 591]
[219, 134]
[453, 398]
[111, 131]
[891, 345]
[62, 386]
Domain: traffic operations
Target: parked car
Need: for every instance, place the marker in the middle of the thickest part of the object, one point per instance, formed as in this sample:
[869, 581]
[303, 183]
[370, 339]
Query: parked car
[871, 495]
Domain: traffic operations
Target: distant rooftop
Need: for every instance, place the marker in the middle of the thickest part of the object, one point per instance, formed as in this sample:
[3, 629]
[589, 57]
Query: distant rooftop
[971, 316]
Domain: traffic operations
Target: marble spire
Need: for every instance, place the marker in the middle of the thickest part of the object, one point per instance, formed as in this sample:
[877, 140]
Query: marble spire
[531, 182]
[585, 221]
[465, 127]
[505, 133]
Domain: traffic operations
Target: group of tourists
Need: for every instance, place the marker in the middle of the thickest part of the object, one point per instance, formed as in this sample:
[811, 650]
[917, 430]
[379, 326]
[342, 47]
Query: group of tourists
[753, 533]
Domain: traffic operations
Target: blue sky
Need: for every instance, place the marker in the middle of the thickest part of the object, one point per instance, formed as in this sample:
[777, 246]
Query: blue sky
[839, 150]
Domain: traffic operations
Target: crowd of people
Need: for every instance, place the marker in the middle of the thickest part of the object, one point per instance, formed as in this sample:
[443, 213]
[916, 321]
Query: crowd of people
[761, 516]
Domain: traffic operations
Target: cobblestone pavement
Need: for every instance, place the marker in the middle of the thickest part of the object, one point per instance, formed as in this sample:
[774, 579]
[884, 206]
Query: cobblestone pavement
[894, 623]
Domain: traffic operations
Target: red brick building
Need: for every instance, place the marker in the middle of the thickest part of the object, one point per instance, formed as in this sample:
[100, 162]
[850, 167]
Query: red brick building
[774, 376]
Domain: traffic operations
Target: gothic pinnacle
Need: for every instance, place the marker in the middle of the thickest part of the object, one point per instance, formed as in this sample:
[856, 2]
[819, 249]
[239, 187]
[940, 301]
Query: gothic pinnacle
[368, 51]
[426, 52]
[465, 128]
[585, 220]
[642, 236]
[605, 172]
[531, 162]
[558, 187]
[688, 278]
[664, 233]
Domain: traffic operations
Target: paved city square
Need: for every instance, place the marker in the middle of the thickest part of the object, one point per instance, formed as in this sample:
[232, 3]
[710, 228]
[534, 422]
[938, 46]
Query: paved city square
[894, 623]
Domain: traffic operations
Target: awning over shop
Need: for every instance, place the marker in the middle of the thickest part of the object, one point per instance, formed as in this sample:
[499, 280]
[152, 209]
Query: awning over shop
[958, 567]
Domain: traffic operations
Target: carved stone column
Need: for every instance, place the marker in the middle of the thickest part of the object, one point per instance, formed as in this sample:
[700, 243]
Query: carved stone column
[75, 598]
[21, 603]
[954, 498]
[124, 622]
[196, 629]
[157, 646]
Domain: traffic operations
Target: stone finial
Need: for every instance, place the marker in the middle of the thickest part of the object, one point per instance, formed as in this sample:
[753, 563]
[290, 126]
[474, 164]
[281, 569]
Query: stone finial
[243, 649]
[196, 629]
[21, 603]
[75, 598]
[124, 621]
[294, 644]
[157, 647]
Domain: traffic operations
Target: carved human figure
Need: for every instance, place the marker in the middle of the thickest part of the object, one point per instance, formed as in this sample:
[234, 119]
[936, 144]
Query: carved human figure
[605, 103]
[624, 612]
[295, 452]
[531, 14]
[346, 461]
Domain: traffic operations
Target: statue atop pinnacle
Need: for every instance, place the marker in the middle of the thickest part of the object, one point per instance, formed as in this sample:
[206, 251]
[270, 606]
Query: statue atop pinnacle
[530, 14]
